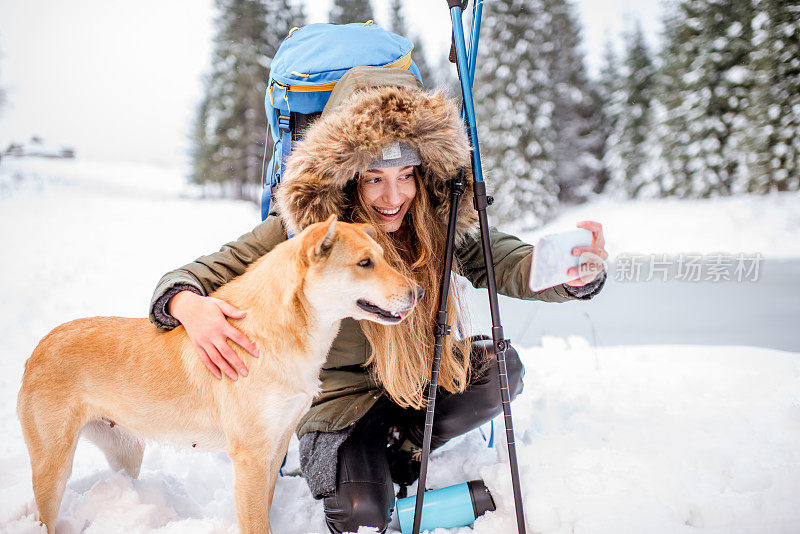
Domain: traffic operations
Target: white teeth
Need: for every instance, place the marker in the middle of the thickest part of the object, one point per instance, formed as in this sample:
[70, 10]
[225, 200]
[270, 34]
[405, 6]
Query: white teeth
[388, 212]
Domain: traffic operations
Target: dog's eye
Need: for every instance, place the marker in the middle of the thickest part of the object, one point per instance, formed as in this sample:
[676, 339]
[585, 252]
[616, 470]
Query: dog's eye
[366, 262]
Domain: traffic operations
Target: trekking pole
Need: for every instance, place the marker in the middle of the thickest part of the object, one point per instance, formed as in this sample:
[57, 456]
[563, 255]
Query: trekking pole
[481, 203]
[477, 12]
[466, 76]
[442, 330]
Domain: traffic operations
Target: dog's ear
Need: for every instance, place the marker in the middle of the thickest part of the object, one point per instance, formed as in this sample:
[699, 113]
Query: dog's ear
[324, 246]
[369, 229]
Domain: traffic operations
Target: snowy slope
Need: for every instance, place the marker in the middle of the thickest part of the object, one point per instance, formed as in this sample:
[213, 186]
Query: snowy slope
[656, 439]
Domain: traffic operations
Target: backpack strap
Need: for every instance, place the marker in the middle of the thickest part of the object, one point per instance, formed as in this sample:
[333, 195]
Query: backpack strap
[274, 172]
[285, 129]
[291, 128]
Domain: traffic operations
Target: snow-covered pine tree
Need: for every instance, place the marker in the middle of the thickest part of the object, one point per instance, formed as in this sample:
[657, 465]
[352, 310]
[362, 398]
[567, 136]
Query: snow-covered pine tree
[609, 97]
[774, 114]
[538, 114]
[629, 150]
[397, 21]
[705, 87]
[231, 116]
[514, 112]
[421, 59]
[397, 24]
[347, 11]
[577, 146]
[200, 151]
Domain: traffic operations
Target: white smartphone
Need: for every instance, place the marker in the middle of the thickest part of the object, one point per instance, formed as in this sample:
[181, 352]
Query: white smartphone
[552, 257]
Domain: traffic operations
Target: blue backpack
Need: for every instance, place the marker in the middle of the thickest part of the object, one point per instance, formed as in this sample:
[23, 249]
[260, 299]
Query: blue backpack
[303, 73]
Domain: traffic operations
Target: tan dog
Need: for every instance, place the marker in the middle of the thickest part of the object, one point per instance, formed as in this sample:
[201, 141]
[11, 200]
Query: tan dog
[120, 380]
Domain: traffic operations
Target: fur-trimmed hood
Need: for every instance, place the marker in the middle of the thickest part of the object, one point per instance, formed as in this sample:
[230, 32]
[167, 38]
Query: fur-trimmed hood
[346, 140]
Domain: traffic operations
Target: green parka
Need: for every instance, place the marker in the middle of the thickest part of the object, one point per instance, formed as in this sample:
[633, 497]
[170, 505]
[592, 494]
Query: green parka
[337, 146]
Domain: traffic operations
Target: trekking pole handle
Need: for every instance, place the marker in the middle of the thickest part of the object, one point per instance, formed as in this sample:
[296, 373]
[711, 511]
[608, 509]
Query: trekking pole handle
[450, 5]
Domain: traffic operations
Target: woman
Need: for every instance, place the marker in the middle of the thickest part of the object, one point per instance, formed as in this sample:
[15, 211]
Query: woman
[381, 155]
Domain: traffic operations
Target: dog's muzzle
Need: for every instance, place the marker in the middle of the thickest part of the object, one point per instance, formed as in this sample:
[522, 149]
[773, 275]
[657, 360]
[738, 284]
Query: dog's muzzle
[393, 317]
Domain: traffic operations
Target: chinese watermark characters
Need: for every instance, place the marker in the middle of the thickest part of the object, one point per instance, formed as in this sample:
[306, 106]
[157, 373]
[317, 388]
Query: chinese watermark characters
[716, 267]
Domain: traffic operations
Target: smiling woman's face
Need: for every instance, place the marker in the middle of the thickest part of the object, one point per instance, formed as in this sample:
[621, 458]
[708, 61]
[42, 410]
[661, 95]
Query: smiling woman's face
[388, 192]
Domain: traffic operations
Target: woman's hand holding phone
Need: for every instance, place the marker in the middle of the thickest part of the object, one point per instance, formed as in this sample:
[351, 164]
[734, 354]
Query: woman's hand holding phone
[572, 258]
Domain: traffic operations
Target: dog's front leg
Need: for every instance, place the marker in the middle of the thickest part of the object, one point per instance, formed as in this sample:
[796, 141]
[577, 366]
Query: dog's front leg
[252, 469]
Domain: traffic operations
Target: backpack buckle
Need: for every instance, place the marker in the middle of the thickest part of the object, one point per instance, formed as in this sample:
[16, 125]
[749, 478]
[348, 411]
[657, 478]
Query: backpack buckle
[284, 122]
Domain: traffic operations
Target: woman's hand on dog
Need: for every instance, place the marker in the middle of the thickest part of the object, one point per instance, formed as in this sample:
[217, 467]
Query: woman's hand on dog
[204, 319]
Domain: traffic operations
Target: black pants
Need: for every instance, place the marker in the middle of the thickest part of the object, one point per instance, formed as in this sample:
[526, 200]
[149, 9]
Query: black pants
[364, 490]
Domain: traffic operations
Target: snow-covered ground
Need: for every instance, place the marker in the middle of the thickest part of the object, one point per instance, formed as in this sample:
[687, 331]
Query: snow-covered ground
[634, 438]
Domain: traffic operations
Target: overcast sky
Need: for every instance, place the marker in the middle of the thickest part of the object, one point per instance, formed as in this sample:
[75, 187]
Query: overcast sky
[118, 80]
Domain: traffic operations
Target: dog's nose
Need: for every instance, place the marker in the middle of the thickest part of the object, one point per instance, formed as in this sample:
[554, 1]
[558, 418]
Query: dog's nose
[416, 294]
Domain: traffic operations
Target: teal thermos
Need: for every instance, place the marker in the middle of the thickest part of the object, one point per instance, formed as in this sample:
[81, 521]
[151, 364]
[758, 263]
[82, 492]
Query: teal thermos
[453, 506]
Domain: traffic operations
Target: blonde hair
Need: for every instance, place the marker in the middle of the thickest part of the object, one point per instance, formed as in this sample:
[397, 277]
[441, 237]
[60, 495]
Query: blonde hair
[402, 355]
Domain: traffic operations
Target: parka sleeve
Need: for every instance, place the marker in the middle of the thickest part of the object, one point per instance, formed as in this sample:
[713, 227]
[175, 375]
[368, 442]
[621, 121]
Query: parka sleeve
[512, 264]
[207, 273]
